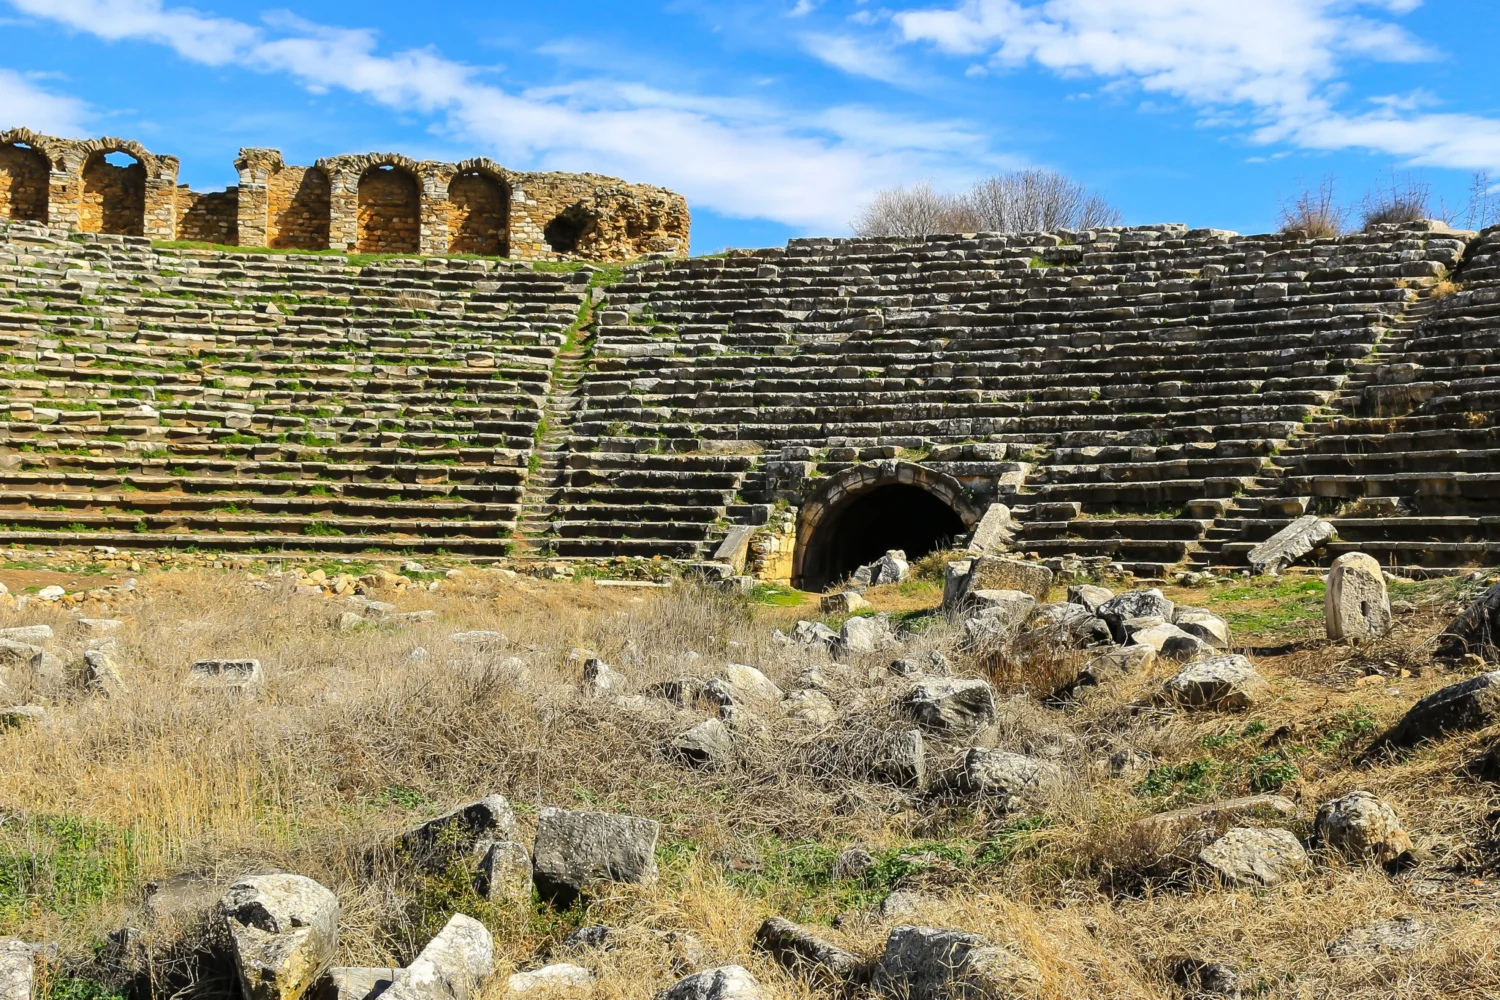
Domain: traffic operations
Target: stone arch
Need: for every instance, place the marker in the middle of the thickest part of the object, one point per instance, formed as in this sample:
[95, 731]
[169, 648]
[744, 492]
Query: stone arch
[390, 209]
[479, 210]
[570, 228]
[299, 208]
[856, 515]
[25, 177]
[114, 195]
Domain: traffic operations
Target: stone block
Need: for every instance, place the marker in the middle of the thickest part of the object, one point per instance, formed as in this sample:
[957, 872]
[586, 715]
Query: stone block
[1355, 602]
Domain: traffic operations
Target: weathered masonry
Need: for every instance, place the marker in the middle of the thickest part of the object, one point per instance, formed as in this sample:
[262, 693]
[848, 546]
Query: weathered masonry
[1154, 397]
[372, 203]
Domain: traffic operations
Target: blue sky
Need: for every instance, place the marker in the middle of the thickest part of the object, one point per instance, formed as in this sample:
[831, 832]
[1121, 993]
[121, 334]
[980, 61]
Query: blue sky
[780, 117]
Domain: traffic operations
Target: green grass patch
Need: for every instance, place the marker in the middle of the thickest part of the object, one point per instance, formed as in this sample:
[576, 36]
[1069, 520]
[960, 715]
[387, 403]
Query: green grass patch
[63, 866]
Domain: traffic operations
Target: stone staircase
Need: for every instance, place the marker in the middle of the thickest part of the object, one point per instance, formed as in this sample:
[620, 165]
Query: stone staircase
[545, 478]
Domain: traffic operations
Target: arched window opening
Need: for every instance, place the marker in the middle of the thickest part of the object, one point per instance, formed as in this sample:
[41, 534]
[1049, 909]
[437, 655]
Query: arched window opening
[24, 174]
[867, 524]
[479, 215]
[114, 195]
[567, 230]
[389, 212]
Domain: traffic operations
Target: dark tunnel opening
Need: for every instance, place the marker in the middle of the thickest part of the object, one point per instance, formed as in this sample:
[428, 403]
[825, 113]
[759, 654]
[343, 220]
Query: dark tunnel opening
[898, 516]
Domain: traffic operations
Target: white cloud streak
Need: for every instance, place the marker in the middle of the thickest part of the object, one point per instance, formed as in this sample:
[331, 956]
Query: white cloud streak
[738, 157]
[22, 102]
[1279, 61]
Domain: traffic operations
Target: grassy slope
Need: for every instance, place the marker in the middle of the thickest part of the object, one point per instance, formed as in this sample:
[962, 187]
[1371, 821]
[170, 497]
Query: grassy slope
[352, 740]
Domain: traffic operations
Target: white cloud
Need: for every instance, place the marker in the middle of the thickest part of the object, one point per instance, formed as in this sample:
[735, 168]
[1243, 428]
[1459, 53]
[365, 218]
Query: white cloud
[854, 56]
[1274, 64]
[738, 157]
[25, 103]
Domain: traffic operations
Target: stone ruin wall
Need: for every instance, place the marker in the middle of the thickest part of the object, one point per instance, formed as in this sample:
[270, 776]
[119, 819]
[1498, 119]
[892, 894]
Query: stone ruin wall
[369, 203]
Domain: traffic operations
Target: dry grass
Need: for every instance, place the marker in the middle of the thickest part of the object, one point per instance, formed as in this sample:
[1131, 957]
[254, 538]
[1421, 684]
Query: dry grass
[352, 740]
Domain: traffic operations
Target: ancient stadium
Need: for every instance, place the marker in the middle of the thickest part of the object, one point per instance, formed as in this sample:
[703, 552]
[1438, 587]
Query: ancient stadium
[427, 581]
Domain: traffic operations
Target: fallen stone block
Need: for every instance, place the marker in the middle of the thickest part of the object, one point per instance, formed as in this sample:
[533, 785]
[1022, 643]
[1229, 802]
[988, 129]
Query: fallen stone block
[949, 706]
[1361, 827]
[1476, 630]
[504, 871]
[455, 963]
[707, 745]
[1290, 544]
[575, 848]
[1383, 937]
[1223, 683]
[459, 832]
[925, 963]
[17, 969]
[557, 979]
[803, 953]
[283, 930]
[226, 675]
[992, 573]
[995, 532]
[846, 603]
[1008, 775]
[1462, 707]
[729, 982]
[1254, 856]
[1355, 602]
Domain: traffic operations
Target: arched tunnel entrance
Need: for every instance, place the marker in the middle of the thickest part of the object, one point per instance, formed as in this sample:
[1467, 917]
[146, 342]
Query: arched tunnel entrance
[864, 511]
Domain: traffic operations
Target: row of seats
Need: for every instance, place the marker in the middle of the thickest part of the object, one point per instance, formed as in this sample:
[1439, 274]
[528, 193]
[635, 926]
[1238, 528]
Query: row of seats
[259, 400]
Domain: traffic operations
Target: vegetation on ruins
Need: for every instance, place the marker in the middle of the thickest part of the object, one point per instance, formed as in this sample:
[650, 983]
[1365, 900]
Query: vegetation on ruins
[1023, 201]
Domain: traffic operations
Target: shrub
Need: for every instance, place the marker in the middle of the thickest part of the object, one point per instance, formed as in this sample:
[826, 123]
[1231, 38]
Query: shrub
[1018, 202]
[1407, 199]
[1315, 212]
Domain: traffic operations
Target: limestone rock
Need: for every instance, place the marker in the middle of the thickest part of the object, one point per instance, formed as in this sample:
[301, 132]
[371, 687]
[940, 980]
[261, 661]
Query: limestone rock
[751, 685]
[575, 848]
[814, 634]
[1360, 827]
[889, 568]
[950, 705]
[32, 634]
[810, 706]
[707, 745]
[1290, 544]
[845, 603]
[994, 533]
[455, 963]
[1009, 609]
[1383, 937]
[729, 982]
[803, 953]
[226, 675]
[480, 638]
[551, 979]
[1088, 597]
[1467, 705]
[1118, 662]
[1134, 604]
[360, 983]
[992, 573]
[864, 635]
[1225, 683]
[100, 673]
[1255, 856]
[283, 930]
[1204, 625]
[460, 831]
[1355, 603]
[925, 963]
[600, 679]
[1476, 630]
[903, 761]
[1073, 624]
[852, 863]
[17, 969]
[1008, 775]
[955, 583]
[504, 871]
[1155, 633]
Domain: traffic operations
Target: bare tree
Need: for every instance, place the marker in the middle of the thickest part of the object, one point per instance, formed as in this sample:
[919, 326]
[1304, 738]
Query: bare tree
[917, 210]
[1315, 211]
[1019, 202]
[1029, 201]
[1407, 199]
